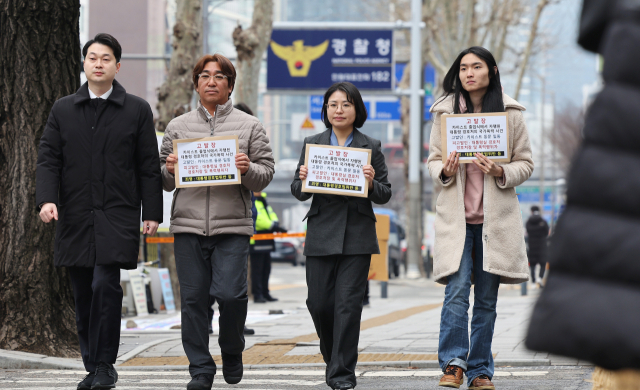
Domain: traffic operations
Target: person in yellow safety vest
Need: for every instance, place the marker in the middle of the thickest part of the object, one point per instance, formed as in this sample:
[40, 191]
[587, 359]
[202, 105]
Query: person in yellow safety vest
[266, 222]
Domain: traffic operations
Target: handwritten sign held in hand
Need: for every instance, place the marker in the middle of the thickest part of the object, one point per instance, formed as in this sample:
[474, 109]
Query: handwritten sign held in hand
[336, 170]
[485, 133]
[208, 161]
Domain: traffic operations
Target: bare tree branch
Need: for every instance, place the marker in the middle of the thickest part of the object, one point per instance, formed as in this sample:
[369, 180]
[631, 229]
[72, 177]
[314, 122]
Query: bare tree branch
[532, 36]
[174, 96]
[250, 45]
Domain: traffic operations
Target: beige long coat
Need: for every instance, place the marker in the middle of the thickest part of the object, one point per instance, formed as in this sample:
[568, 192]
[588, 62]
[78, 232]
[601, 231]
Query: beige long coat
[504, 251]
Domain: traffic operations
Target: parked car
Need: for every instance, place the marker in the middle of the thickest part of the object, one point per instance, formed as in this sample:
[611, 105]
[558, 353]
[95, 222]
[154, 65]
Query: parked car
[396, 235]
[287, 250]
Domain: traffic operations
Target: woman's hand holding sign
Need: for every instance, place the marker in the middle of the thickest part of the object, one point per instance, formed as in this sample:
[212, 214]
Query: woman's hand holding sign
[303, 172]
[487, 166]
[451, 166]
[369, 174]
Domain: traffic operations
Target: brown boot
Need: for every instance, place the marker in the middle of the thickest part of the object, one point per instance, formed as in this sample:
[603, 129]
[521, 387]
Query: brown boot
[482, 383]
[452, 377]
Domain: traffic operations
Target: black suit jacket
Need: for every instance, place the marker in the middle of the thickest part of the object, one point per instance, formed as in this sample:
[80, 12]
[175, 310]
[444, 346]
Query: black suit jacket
[344, 224]
[100, 166]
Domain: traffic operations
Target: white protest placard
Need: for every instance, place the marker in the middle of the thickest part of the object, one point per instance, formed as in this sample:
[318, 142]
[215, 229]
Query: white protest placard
[336, 170]
[139, 293]
[468, 134]
[206, 161]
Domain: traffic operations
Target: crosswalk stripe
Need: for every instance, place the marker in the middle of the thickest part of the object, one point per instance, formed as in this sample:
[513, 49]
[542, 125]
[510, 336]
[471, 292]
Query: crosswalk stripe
[294, 382]
[126, 388]
[184, 375]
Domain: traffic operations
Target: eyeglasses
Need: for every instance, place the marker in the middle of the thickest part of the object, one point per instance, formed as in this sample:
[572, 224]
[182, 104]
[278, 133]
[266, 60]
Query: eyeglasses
[216, 77]
[334, 106]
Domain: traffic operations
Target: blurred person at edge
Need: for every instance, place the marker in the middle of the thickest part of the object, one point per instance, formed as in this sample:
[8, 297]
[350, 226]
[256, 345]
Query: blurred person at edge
[266, 222]
[212, 225]
[341, 237]
[590, 306]
[537, 231]
[97, 164]
[479, 232]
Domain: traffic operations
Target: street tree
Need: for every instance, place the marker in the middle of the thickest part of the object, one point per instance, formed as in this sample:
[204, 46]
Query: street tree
[250, 45]
[40, 63]
[174, 95]
[566, 135]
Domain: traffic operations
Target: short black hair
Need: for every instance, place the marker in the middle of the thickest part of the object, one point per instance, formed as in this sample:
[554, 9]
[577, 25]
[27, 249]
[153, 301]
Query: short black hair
[353, 96]
[535, 208]
[107, 40]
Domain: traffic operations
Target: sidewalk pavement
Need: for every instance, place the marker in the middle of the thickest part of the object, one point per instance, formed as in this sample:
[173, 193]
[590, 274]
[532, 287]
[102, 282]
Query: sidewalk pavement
[400, 331]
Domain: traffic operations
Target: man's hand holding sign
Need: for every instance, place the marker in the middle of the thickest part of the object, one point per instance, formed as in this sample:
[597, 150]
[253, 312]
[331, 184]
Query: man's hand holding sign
[242, 163]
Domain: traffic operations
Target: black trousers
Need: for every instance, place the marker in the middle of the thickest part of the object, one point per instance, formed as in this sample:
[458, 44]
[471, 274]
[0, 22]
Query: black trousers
[260, 272]
[98, 298]
[336, 286]
[533, 270]
[211, 266]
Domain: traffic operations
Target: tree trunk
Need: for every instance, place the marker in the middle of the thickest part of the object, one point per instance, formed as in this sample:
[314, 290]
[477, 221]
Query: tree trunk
[174, 96]
[250, 45]
[40, 63]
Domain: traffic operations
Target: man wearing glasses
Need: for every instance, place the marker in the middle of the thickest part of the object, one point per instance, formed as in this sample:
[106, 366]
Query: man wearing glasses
[212, 225]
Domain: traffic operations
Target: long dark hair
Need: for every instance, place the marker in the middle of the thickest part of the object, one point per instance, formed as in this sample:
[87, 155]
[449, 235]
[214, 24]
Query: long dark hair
[492, 100]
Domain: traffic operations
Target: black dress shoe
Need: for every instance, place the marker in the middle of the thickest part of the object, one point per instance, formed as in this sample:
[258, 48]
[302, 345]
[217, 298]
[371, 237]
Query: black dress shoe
[86, 383]
[343, 385]
[259, 299]
[248, 331]
[232, 368]
[201, 382]
[106, 377]
[269, 298]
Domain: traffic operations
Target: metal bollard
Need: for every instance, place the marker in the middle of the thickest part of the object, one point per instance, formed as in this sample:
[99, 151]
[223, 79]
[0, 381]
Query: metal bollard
[523, 288]
[383, 290]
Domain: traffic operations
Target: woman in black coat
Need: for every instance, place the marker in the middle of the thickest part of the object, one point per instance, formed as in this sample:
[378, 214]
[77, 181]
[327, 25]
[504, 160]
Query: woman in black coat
[341, 237]
[590, 308]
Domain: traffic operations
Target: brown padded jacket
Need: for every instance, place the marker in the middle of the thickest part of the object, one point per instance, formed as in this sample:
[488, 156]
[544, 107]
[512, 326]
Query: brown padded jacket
[226, 209]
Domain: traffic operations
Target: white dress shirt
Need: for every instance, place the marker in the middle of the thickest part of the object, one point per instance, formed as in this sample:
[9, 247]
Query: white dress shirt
[104, 96]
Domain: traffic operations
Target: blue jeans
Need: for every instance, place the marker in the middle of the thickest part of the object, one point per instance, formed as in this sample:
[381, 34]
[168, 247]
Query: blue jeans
[474, 358]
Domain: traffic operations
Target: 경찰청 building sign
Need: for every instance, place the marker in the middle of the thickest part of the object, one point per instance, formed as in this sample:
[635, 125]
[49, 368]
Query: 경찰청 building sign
[315, 59]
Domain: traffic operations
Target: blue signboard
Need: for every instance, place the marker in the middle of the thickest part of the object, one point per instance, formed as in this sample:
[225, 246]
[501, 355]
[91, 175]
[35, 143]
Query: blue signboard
[429, 85]
[388, 111]
[315, 59]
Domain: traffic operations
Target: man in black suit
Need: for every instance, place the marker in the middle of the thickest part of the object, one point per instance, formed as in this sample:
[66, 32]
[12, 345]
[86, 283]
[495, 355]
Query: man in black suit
[98, 164]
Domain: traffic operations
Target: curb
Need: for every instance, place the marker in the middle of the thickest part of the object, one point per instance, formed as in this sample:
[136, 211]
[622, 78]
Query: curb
[26, 360]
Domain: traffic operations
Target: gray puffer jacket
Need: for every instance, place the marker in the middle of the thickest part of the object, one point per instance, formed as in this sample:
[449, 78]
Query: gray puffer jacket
[208, 211]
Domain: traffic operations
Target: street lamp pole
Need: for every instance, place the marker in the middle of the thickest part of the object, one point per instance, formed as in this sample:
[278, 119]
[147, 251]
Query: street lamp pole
[414, 240]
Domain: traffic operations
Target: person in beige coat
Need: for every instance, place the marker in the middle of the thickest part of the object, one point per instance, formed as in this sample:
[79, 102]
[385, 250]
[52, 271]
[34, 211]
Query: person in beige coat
[212, 225]
[476, 211]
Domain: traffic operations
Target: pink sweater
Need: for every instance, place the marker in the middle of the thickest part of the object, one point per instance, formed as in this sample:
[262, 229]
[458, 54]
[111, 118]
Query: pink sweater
[473, 194]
